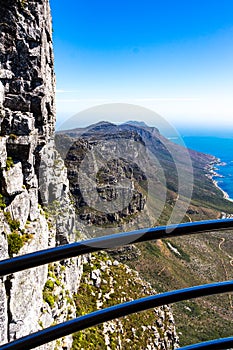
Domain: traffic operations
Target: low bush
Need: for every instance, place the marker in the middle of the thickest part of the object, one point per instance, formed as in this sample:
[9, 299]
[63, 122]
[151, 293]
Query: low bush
[15, 243]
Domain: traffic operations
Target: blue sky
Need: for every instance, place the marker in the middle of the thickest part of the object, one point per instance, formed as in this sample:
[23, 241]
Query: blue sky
[174, 57]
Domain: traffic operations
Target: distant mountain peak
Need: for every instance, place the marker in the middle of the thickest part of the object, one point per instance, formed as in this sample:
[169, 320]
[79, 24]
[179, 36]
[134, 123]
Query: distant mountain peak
[102, 123]
[136, 123]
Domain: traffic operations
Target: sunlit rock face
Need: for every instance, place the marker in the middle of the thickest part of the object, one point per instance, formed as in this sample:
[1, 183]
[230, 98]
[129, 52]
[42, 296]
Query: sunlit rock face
[32, 178]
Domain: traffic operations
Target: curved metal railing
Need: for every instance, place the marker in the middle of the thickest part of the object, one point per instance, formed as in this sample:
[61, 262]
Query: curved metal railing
[46, 256]
[20, 263]
[49, 334]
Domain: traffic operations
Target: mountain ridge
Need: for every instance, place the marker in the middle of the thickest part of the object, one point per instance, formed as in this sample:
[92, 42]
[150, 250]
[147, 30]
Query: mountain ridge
[156, 143]
[174, 263]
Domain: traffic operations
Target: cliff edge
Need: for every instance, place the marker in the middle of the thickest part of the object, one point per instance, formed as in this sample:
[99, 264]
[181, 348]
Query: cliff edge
[32, 177]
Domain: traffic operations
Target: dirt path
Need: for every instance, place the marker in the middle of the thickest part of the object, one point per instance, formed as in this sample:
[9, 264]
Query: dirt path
[220, 247]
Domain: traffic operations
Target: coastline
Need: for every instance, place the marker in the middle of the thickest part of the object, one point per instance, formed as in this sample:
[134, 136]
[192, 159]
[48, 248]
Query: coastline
[212, 174]
[225, 194]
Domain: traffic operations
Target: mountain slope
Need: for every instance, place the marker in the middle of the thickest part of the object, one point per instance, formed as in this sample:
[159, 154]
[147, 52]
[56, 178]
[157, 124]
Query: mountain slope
[166, 154]
[167, 264]
[106, 282]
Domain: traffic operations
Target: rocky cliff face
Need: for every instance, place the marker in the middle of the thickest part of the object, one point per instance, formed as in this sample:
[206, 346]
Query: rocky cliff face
[35, 206]
[33, 182]
[120, 185]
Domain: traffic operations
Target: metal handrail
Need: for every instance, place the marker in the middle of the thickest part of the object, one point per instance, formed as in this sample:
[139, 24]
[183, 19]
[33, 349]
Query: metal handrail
[46, 256]
[38, 258]
[92, 319]
[217, 344]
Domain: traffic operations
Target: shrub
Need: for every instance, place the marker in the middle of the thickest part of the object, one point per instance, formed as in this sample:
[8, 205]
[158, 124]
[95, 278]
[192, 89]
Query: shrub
[48, 298]
[26, 236]
[15, 243]
[14, 224]
[9, 163]
[49, 285]
[2, 202]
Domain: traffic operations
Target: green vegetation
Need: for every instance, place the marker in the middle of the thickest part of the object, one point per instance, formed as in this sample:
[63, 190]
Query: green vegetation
[18, 237]
[2, 202]
[26, 236]
[78, 235]
[118, 284]
[48, 293]
[15, 243]
[41, 324]
[23, 3]
[14, 224]
[54, 280]
[49, 285]
[152, 248]
[93, 339]
[9, 163]
[200, 261]
[197, 321]
[48, 298]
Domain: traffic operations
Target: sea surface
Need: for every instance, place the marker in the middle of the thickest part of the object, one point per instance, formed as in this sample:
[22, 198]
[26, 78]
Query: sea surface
[221, 148]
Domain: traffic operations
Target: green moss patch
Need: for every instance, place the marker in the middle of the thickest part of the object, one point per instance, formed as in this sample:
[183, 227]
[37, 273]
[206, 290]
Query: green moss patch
[9, 163]
[2, 202]
[14, 224]
[15, 243]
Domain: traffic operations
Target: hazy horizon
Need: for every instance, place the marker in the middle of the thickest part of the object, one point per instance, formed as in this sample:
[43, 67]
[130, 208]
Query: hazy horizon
[174, 58]
[184, 131]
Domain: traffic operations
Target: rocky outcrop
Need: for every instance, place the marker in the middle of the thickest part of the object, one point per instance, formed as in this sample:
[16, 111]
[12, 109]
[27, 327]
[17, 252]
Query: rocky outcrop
[107, 190]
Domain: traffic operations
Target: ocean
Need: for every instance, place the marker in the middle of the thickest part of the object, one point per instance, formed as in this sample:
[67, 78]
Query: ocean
[221, 148]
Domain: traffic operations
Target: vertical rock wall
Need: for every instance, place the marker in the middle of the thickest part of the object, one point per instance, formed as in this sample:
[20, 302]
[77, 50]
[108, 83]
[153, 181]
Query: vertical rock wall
[32, 176]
